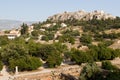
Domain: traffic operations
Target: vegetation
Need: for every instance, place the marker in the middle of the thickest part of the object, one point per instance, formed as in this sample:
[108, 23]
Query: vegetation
[48, 36]
[1, 65]
[95, 25]
[17, 55]
[27, 54]
[54, 59]
[107, 36]
[66, 38]
[86, 39]
[24, 29]
[25, 63]
[80, 56]
[108, 66]
[92, 72]
[54, 28]
[71, 32]
[35, 33]
[88, 71]
[95, 53]
[4, 40]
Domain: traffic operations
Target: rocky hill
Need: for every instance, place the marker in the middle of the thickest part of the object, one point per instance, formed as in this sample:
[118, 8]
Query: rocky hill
[81, 15]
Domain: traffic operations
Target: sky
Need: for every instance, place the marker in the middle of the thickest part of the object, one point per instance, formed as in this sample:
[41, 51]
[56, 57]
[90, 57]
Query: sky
[39, 10]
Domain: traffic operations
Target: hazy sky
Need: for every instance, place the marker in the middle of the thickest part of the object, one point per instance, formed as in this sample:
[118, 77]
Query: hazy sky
[36, 10]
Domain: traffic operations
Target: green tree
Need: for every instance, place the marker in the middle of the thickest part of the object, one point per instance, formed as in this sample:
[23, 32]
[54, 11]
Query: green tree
[24, 29]
[67, 38]
[92, 72]
[86, 39]
[13, 51]
[45, 50]
[25, 63]
[45, 38]
[1, 65]
[80, 56]
[107, 65]
[33, 48]
[54, 59]
[104, 53]
[113, 75]
[35, 33]
[88, 71]
[4, 40]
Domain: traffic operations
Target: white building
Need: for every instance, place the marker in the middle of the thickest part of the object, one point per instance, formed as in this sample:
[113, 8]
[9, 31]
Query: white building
[30, 29]
[63, 25]
[12, 35]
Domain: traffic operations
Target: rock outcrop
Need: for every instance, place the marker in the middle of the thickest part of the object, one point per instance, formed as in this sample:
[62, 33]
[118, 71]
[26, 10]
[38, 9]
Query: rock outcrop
[81, 15]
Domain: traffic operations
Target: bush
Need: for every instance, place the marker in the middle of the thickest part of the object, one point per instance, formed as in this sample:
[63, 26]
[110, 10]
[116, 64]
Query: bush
[108, 66]
[86, 39]
[45, 38]
[25, 63]
[1, 65]
[35, 33]
[54, 59]
[88, 71]
[4, 40]
[67, 38]
[80, 56]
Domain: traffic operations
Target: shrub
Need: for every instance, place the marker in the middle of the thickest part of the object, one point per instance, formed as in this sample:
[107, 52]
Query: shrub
[108, 66]
[25, 63]
[1, 65]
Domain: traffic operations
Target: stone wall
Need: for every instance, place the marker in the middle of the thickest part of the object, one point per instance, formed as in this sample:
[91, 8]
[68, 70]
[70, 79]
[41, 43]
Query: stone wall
[52, 75]
[59, 73]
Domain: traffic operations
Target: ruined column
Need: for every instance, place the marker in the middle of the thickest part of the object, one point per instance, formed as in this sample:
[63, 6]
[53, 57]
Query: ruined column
[16, 70]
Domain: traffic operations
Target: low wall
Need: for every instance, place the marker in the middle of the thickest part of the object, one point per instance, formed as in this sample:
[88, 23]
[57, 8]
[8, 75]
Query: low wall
[55, 74]
[52, 75]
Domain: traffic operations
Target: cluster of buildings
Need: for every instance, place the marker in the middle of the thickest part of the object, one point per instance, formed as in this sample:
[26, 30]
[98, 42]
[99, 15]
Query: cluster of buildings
[14, 33]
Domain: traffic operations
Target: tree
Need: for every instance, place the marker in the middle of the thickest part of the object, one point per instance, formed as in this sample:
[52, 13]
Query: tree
[107, 65]
[25, 63]
[92, 72]
[80, 56]
[1, 65]
[45, 50]
[104, 53]
[54, 59]
[60, 47]
[35, 33]
[13, 51]
[88, 71]
[33, 48]
[45, 38]
[48, 36]
[113, 75]
[67, 38]
[4, 40]
[94, 54]
[24, 29]
[51, 53]
[86, 39]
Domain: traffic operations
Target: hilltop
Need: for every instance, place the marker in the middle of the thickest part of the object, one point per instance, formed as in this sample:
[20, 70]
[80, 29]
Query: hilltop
[81, 15]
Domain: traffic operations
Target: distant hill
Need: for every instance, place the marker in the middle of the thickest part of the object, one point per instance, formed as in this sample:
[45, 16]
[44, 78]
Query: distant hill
[81, 15]
[10, 24]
